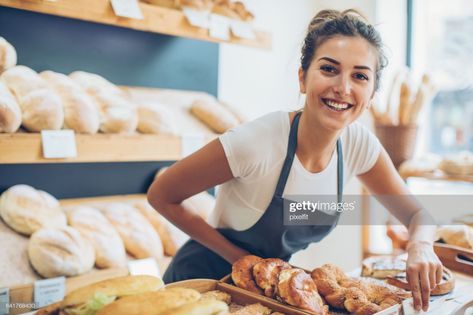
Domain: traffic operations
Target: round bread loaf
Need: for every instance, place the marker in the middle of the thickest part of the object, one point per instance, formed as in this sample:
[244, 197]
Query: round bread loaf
[60, 252]
[27, 210]
[10, 112]
[8, 56]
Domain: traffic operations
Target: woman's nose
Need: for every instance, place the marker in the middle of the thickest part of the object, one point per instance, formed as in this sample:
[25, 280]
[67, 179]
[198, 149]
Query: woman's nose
[343, 85]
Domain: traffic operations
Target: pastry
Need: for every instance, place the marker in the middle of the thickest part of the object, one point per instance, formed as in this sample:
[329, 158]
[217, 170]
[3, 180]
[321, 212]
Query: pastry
[242, 273]
[266, 274]
[381, 267]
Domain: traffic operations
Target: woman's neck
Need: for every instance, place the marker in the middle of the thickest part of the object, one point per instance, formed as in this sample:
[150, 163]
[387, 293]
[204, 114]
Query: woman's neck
[315, 145]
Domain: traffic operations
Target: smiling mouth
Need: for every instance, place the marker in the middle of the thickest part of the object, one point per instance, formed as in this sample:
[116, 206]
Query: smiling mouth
[336, 106]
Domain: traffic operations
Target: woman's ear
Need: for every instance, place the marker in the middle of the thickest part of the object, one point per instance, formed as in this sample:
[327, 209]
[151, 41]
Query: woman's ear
[372, 100]
[302, 81]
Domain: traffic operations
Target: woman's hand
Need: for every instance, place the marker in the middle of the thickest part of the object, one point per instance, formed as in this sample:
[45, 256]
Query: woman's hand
[424, 272]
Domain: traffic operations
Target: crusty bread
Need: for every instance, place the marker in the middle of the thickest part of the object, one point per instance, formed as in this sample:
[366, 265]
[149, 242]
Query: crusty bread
[159, 224]
[156, 119]
[92, 224]
[8, 56]
[151, 302]
[117, 287]
[214, 115]
[81, 114]
[217, 295]
[26, 209]
[458, 235]
[40, 106]
[10, 113]
[60, 252]
[205, 307]
[140, 239]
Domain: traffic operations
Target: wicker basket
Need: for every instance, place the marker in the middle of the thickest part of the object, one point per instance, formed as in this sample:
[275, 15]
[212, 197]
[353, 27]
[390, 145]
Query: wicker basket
[399, 141]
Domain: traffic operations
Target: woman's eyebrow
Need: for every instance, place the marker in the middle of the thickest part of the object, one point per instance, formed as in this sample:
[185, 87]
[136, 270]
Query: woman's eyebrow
[338, 63]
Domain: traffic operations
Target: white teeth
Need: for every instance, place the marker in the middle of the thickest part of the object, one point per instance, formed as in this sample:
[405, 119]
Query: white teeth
[337, 105]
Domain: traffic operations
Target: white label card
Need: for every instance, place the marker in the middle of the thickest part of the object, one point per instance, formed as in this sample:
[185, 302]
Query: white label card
[197, 18]
[58, 144]
[49, 291]
[219, 27]
[242, 29]
[147, 266]
[127, 8]
[4, 300]
[191, 143]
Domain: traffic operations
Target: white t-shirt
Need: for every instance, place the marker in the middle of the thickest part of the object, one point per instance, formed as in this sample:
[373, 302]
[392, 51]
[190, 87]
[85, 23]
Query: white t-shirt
[256, 151]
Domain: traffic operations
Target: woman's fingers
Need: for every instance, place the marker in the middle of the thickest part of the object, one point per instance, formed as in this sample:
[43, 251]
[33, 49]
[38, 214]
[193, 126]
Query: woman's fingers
[425, 287]
[432, 276]
[413, 277]
[439, 273]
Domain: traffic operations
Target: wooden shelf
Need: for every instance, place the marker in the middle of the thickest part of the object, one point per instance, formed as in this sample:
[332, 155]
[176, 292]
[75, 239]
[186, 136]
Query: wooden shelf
[439, 175]
[22, 148]
[156, 19]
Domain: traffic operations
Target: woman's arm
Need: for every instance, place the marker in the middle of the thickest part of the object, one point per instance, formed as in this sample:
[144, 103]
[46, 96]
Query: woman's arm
[424, 270]
[200, 171]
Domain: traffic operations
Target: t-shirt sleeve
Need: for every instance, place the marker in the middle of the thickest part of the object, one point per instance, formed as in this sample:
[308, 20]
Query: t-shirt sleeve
[248, 145]
[362, 149]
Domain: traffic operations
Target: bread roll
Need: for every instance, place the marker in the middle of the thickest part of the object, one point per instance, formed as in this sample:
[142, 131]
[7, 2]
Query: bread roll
[60, 252]
[140, 239]
[458, 235]
[214, 115]
[10, 113]
[7, 55]
[81, 114]
[205, 307]
[155, 119]
[40, 106]
[92, 224]
[160, 225]
[93, 83]
[26, 209]
[151, 302]
[117, 114]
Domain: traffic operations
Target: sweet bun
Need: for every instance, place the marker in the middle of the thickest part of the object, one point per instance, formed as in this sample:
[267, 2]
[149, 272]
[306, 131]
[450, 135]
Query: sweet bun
[242, 273]
[266, 274]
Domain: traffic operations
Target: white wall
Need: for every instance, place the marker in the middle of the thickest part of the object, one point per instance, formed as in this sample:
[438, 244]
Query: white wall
[258, 81]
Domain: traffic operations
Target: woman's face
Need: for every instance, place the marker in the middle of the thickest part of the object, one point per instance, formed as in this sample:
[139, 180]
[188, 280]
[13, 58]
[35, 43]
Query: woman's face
[339, 82]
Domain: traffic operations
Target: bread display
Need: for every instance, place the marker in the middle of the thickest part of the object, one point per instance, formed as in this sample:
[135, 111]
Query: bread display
[117, 113]
[297, 288]
[214, 115]
[92, 224]
[358, 296]
[41, 107]
[242, 273]
[8, 56]
[80, 112]
[10, 112]
[61, 251]
[457, 235]
[140, 239]
[266, 274]
[27, 210]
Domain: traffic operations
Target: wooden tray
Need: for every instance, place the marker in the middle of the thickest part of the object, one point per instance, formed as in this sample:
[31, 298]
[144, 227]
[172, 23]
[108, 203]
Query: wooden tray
[455, 258]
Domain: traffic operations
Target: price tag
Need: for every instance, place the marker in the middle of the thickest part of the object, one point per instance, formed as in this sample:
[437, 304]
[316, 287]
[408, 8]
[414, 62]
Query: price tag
[197, 18]
[147, 266]
[191, 143]
[242, 29]
[219, 27]
[58, 144]
[127, 8]
[49, 291]
[4, 300]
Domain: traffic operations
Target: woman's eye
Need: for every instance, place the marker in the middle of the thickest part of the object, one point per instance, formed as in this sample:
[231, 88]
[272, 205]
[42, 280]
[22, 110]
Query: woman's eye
[327, 68]
[361, 76]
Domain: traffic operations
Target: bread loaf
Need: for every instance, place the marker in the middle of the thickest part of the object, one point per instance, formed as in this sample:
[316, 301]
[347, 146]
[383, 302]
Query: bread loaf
[60, 252]
[10, 113]
[140, 239]
[94, 83]
[155, 119]
[7, 55]
[40, 106]
[458, 235]
[81, 113]
[27, 210]
[214, 115]
[92, 224]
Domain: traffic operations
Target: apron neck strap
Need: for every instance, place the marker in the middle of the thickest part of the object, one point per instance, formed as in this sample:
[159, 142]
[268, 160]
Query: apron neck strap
[291, 152]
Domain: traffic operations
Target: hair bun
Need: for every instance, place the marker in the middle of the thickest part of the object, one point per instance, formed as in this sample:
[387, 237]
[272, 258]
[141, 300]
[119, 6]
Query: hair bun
[324, 16]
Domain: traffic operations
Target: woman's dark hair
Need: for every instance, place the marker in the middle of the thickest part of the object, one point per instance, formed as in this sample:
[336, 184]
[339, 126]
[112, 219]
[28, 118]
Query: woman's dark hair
[329, 23]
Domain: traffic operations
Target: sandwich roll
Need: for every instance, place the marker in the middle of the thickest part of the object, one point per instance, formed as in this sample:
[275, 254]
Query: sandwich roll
[91, 298]
[60, 252]
[151, 302]
[27, 210]
[92, 224]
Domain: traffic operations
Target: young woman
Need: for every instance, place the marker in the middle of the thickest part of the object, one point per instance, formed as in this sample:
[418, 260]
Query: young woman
[313, 151]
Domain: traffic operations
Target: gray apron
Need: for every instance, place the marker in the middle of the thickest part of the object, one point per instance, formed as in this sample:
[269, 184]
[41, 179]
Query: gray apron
[268, 237]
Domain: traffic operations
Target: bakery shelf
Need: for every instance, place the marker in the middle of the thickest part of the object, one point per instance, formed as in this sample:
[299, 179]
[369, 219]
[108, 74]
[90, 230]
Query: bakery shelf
[438, 175]
[156, 19]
